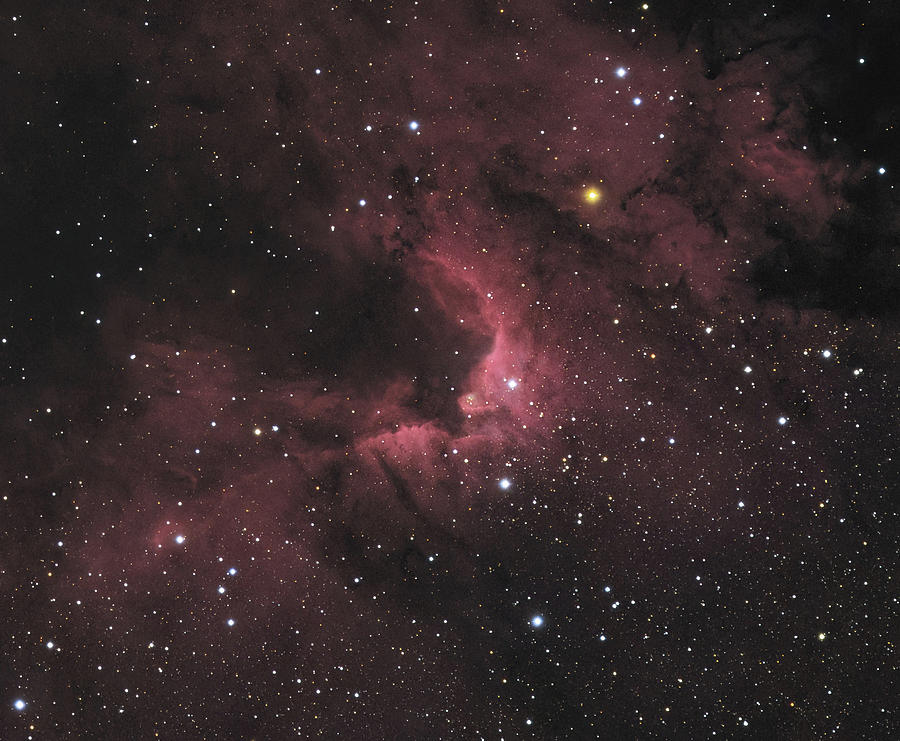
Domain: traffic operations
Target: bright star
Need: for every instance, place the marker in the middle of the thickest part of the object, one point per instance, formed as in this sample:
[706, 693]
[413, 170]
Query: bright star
[782, 420]
[637, 101]
[179, 539]
[621, 72]
[19, 704]
[505, 484]
[413, 125]
[537, 621]
[232, 571]
[592, 196]
[512, 383]
[230, 622]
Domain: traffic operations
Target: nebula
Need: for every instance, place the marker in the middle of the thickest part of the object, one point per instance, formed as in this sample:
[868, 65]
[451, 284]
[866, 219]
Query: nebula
[448, 370]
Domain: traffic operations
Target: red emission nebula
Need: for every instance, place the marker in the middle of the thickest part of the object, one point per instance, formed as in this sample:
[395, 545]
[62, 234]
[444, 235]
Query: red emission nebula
[447, 370]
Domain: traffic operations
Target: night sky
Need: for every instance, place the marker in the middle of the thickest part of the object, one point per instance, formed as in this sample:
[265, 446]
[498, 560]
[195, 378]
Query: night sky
[449, 370]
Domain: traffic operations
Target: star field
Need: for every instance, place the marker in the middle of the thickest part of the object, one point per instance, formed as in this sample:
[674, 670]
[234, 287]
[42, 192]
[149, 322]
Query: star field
[448, 371]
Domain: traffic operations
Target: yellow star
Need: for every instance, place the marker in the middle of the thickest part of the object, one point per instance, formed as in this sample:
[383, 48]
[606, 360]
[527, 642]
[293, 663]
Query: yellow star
[592, 195]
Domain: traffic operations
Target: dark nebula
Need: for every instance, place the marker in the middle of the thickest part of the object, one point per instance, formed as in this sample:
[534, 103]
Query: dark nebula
[449, 370]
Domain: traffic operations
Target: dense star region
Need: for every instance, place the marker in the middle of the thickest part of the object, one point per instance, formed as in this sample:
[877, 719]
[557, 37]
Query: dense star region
[448, 370]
